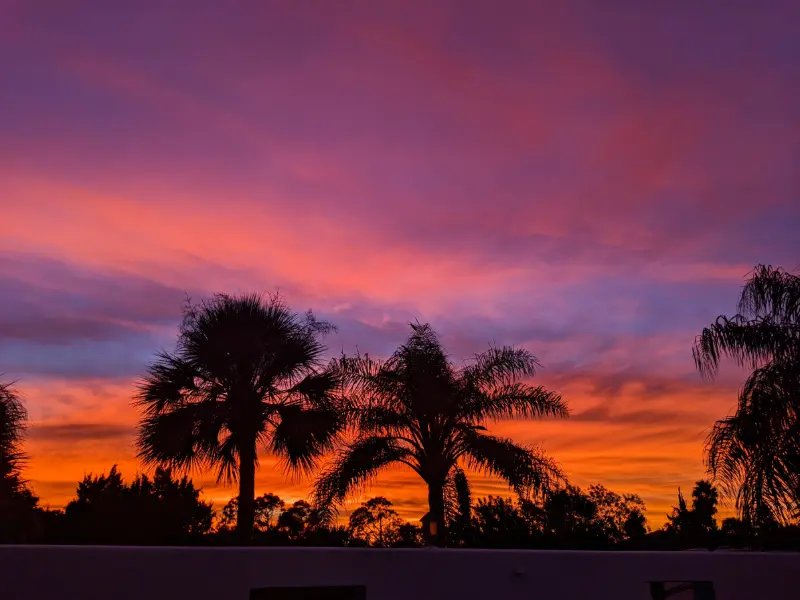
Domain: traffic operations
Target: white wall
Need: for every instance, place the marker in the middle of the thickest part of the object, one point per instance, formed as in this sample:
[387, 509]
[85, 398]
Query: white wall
[110, 573]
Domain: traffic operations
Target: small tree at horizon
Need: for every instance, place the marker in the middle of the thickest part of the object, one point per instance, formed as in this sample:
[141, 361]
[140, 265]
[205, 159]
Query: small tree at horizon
[695, 526]
[376, 522]
[268, 508]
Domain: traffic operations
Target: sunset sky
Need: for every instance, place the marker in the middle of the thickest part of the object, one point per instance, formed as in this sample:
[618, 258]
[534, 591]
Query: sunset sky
[590, 180]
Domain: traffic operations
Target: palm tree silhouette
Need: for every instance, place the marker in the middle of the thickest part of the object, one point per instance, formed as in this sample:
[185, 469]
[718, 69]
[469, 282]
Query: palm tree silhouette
[19, 521]
[755, 453]
[419, 410]
[13, 421]
[246, 372]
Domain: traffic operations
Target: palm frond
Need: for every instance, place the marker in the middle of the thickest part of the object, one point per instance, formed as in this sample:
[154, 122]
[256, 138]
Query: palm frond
[13, 426]
[766, 328]
[184, 438]
[355, 466]
[304, 435]
[500, 365]
[168, 383]
[513, 401]
[755, 453]
[380, 419]
[316, 389]
[367, 383]
[526, 469]
[751, 343]
[771, 292]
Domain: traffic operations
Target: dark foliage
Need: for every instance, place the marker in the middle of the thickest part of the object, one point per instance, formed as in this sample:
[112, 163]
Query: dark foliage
[695, 527]
[245, 374]
[755, 453]
[375, 523]
[158, 510]
[419, 410]
[267, 509]
[19, 515]
[565, 518]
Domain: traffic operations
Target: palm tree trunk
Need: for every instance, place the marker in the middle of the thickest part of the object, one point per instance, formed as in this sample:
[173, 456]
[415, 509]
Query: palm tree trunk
[436, 508]
[246, 515]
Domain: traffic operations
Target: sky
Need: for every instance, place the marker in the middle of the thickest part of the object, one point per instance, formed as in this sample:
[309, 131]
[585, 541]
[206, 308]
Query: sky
[591, 181]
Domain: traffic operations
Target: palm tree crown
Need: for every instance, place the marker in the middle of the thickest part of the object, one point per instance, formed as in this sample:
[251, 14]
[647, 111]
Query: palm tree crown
[756, 451]
[418, 409]
[246, 372]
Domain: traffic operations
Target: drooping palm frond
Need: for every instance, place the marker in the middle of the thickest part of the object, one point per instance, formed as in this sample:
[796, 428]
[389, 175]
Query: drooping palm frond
[303, 435]
[755, 453]
[526, 469]
[513, 401]
[13, 425]
[750, 342]
[355, 466]
[185, 438]
[500, 365]
[767, 327]
[316, 389]
[368, 382]
[772, 292]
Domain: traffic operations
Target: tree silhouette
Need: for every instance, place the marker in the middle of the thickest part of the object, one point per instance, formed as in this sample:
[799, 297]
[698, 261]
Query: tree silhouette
[157, 510]
[458, 507]
[417, 409]
[13, 424]
[245, 374]
[620, 516]
[500, 523]
[267, 509]
[376, 522]
[297, 520]
[695, 527]
[572, 519]
[704, 505]
[17, 502]
[755, 453]
[408, 536]
[566, 518]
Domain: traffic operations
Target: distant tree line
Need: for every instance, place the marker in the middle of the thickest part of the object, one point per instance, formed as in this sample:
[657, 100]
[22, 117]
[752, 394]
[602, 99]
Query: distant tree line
[168, 510]
[247, 374]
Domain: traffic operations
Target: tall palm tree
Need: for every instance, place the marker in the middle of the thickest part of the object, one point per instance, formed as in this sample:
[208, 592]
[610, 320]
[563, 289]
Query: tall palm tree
[755, 452]
[419, 410]
[245, 373]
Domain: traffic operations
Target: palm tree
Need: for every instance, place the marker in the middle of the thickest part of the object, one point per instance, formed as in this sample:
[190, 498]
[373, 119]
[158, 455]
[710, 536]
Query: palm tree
[13, 421]
[19, 522]
[755, 452]
[245, 373]
[419, 410]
